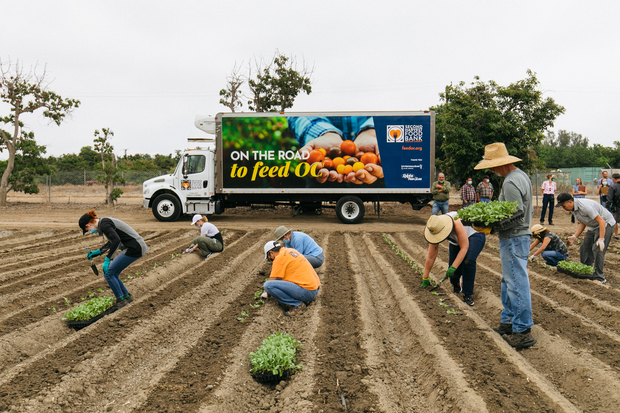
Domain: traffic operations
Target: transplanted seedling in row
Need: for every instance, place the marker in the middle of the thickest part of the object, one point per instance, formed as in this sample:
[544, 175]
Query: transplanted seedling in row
[67, 301]
[277, 354]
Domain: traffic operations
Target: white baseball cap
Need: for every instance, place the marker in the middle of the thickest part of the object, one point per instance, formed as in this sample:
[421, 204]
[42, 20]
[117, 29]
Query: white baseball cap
[196, 218]
[269, 246]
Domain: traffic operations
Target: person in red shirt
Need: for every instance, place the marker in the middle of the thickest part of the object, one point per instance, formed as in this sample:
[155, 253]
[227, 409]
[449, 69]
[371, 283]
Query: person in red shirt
[293, 282]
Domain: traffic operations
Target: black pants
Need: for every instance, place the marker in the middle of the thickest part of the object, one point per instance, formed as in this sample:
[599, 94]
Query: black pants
[547, 199]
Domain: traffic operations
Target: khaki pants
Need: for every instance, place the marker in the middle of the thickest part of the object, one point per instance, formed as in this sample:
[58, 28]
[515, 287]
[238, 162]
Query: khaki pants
[208, 245]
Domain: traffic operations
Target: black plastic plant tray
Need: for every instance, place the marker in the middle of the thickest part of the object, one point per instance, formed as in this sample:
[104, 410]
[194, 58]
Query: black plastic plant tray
[78, 325]
[497, 226]
[269, 377]
[575, 274]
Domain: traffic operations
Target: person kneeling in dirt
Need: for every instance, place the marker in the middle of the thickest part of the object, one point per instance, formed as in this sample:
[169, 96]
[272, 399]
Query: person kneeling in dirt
[553, 250]
[293, 282]
[601, 224]
[465, 245]
[302, 243]
[210, 239]
[119, 236]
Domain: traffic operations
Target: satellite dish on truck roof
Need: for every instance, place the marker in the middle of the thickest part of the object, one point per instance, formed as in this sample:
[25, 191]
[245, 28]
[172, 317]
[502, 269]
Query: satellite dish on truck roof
[205, 123]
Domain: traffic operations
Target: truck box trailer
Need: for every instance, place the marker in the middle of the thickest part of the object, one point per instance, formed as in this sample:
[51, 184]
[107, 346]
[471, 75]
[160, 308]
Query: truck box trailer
[309, 161]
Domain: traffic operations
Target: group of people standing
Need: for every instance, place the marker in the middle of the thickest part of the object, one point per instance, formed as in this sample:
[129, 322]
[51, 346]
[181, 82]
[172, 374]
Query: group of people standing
[470, 195]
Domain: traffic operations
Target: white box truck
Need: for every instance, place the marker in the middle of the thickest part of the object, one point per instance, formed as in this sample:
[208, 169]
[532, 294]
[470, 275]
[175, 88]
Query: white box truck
[309, 161]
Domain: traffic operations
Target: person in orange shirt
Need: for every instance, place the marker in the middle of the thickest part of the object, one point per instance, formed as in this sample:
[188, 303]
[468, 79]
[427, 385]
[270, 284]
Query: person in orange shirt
[293, 282]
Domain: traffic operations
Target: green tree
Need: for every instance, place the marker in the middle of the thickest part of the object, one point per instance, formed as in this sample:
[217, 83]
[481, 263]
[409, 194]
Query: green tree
[25, 92]
[274, 87]
[29, 163]
[111, 175]
[472, 117]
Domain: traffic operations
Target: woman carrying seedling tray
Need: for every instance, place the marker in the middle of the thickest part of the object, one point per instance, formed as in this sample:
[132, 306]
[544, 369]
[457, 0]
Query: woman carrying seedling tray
[552, 250]
[465, 245]
[121, 237]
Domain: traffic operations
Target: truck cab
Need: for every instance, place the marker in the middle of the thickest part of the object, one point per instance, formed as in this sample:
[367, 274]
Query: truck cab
[190, 189]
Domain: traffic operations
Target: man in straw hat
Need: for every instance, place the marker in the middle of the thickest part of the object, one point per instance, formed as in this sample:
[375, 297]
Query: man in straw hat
[514, 247]
[465, 246]
[302, 243]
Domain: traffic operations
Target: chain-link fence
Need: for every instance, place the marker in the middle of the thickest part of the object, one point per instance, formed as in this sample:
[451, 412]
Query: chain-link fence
[84, 187]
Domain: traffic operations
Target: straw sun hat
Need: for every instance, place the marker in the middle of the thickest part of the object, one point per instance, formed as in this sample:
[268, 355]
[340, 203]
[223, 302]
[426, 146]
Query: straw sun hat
[536, 229]
[438, 227]
[495, 155]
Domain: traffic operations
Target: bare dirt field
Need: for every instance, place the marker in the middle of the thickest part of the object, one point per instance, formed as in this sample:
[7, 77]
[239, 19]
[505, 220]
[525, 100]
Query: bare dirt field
[372, 339]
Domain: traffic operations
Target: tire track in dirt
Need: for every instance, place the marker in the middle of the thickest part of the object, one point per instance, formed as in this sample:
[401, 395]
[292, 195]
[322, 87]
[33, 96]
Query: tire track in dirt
[48, 368]
[572, 370]
[338, 338]
[487, 369]
[155, 346]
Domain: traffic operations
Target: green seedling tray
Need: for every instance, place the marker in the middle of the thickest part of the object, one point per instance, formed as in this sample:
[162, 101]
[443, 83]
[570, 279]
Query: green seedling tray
[575, 274]
[78, 325]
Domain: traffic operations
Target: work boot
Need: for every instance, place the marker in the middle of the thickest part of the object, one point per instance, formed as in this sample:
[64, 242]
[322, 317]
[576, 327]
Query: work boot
[503, 329]
[128, 299]
[520, 340]
[207, 256]
[121, 303]
[468, 300]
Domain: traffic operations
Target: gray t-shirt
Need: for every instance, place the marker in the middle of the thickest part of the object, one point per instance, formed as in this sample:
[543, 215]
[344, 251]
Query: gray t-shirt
[586, 211]
[518, 187]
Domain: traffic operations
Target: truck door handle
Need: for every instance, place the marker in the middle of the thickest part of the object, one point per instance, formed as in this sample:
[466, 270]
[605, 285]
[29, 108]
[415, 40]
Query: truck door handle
[205, 184]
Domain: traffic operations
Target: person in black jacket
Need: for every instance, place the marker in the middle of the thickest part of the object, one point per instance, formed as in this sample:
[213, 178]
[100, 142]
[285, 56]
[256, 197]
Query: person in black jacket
[613, 201]
[121, 237]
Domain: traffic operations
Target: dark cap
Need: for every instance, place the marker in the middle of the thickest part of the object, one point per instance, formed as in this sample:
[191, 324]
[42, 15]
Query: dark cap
[563, 197]
[84, 220]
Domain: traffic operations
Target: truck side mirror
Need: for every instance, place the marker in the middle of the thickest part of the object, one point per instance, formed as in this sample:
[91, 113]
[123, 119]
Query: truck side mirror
[185, 166]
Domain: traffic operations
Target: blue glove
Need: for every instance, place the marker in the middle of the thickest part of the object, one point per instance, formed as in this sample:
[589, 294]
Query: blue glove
[93, 254]
[106, 264]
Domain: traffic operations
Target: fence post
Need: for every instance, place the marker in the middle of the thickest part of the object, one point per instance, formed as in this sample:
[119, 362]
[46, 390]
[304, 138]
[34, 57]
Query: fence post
[84, 180]
[536, 174]
[49, 189]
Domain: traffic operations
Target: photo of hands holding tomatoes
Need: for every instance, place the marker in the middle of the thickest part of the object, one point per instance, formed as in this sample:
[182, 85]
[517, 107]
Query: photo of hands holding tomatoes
[357, 162]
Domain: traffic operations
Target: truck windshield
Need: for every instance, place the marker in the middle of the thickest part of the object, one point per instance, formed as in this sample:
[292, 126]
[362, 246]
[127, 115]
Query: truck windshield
[195, 164]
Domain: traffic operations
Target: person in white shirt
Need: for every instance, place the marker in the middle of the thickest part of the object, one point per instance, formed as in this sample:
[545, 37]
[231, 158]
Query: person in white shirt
[548, 190]
[210, 239]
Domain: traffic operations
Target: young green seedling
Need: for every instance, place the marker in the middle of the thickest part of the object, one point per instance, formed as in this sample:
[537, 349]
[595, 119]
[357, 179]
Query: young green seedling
[67, 301]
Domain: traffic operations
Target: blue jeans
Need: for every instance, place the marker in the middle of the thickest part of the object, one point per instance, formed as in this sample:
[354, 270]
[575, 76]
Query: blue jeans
[516, 296]
[443, 205]
[117, 265]
[553, 257]
[485, 199]
[547, 199]
[289, 293]
[317, 261]
[467, 269]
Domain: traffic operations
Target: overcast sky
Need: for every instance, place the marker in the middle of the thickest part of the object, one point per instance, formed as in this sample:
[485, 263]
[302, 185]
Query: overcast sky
[145, 69]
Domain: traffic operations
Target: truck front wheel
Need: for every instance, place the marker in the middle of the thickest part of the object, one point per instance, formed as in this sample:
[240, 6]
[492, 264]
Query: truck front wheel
[350, 209]
[166, 208]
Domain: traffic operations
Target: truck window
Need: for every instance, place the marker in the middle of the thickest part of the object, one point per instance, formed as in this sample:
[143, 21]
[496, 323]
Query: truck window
[195, 164]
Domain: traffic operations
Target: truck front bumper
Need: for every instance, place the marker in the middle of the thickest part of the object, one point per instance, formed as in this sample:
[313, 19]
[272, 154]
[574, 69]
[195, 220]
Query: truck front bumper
[145, 203]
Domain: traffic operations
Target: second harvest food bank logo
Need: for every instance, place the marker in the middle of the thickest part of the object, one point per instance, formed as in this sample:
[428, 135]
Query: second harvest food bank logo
[404, 133]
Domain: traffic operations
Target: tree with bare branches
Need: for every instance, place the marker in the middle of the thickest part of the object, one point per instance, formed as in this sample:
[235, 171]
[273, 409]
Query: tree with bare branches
[25, 92]
[274, 87]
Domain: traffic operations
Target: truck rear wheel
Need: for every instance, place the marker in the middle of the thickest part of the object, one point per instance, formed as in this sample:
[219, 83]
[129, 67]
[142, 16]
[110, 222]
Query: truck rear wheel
[166, 208]
[350, 209]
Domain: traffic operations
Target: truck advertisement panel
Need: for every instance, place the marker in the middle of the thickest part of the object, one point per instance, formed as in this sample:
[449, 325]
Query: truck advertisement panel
[327, 152]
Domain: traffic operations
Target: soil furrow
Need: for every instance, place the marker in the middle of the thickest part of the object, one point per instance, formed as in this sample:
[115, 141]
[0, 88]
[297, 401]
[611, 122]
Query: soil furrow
[48, 368]
[341, 370]
[487, 368]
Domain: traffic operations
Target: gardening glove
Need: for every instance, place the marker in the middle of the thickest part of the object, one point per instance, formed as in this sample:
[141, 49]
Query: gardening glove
[532, 257]
[106, 264]
[572, 239]
[93, 254]
[264, 294]
[450, 272]
[425, 282]
[601, 243]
